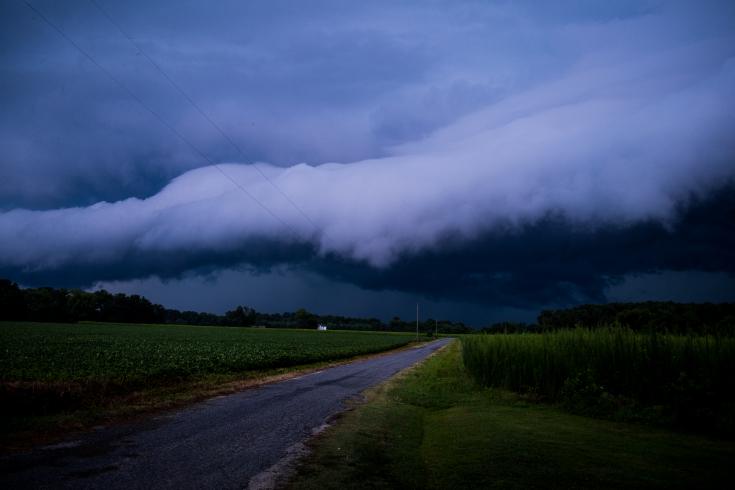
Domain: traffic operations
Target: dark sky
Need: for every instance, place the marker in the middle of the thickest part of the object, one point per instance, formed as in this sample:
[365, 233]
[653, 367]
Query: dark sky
[486, 159]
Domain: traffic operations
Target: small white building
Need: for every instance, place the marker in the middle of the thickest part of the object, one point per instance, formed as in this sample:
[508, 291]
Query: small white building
[321, 327]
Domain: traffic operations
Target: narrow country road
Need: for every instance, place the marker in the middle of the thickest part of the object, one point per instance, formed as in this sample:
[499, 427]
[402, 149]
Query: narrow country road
[220, 443]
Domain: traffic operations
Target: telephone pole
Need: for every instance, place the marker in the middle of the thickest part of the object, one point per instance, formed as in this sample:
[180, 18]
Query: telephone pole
[417, 322]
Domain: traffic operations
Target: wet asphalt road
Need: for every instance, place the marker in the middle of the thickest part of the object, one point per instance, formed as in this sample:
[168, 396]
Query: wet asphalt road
[220, 443]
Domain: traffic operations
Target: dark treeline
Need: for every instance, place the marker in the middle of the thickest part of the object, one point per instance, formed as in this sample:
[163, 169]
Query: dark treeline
[511, 327]
[650, 316]
[428, 326]
[74, 305]
[658, 316]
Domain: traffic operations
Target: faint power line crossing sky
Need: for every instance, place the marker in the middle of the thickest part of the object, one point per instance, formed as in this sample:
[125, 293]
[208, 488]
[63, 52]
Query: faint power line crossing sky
[156, 115]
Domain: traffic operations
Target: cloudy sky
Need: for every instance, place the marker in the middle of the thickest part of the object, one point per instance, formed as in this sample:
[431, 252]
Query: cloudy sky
[486, 159]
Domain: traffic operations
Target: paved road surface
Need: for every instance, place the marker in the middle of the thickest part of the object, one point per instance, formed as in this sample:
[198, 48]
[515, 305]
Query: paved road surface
[220, 443]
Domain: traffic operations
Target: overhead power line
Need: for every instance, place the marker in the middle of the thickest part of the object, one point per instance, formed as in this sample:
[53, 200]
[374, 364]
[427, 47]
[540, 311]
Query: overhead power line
[196, 106]
[131, 94]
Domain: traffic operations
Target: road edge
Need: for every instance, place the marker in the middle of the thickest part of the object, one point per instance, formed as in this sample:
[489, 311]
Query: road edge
[279, 474]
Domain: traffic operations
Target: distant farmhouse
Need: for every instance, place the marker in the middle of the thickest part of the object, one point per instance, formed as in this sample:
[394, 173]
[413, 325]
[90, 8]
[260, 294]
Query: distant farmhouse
[321, 327]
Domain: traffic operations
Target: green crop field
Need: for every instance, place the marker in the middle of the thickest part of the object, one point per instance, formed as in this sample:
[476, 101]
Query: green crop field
[130, 353]
[55, 368]
[685, 380]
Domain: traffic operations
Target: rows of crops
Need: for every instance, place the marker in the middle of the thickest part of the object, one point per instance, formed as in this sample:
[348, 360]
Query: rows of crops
[146, 353]
[685, 376]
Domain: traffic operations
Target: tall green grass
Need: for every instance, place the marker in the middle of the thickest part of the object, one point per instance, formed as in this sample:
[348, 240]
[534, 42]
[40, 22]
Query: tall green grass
[686, 379]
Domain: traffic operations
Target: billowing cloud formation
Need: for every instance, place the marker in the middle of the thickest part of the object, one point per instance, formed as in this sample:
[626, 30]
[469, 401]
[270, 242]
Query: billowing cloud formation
[617, 156]
[633, 124]
[294, 82]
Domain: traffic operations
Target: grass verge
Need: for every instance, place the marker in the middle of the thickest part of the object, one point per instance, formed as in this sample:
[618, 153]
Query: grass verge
[435, 428]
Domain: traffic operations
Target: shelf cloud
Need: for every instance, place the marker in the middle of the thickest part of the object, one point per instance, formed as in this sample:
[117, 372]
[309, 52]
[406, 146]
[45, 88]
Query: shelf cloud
[623, 132]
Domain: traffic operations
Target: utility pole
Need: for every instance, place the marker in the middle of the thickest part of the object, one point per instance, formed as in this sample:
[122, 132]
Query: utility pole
[436, 328]
[417, 322]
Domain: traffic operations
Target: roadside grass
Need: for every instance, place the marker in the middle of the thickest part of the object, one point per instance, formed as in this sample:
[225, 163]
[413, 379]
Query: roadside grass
[57, 378]
[433, 427]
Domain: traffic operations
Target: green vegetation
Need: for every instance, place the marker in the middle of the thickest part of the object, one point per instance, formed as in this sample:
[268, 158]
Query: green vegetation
[146, 353]
[53, 368]
[436, 428]
[682, 380]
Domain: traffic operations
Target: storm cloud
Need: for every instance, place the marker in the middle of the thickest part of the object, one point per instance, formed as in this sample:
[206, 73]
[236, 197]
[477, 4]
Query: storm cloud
[491, 153]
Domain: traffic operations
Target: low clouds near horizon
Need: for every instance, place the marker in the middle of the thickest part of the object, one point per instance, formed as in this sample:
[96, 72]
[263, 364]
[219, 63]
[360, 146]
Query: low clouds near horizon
[505, 167]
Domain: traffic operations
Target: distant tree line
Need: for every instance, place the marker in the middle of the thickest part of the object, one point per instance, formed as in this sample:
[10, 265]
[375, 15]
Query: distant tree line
[47, 304]
[428, 326]
[71, 305]
[649, 316]
[659, 316]
[511, 327]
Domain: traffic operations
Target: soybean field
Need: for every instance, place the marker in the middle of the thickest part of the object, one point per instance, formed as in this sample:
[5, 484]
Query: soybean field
[54, 368]
[128, 353]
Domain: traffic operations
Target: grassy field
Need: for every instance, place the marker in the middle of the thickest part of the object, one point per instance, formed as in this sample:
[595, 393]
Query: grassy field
[52, 369]
[436, 428]
[682, 380]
